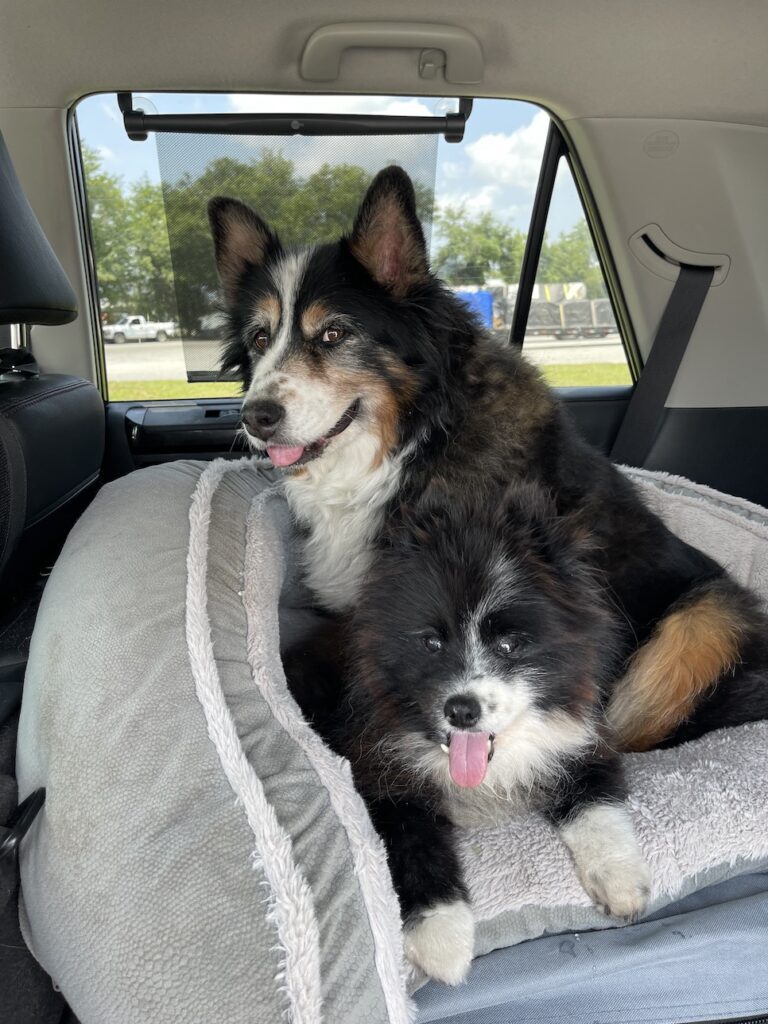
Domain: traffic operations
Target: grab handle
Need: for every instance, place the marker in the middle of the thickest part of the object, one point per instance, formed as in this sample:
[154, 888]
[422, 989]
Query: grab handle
[321, 58]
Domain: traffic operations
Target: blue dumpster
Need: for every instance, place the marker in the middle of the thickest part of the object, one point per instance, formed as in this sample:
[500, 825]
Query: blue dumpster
[481, 304]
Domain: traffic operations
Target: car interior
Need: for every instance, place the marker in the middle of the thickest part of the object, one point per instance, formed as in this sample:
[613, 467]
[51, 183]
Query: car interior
[638, 130]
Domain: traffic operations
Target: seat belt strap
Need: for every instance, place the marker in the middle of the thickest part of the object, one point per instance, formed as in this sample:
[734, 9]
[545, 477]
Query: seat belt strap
[643, 417]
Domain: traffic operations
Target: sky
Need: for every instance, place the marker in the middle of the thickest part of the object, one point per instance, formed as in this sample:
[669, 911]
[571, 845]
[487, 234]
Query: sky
[495, 168]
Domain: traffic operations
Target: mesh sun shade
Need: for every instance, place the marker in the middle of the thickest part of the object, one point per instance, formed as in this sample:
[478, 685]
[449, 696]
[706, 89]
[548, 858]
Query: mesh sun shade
[307, 189]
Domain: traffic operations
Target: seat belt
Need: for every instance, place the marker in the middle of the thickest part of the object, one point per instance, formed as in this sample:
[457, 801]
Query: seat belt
[642, 419]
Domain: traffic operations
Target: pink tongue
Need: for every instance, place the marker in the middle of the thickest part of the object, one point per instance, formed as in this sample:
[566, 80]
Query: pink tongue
[285, 454]
[468, 757]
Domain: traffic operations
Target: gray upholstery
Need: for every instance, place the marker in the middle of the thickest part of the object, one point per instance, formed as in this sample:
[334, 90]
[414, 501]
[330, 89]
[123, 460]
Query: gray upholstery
[145, 894]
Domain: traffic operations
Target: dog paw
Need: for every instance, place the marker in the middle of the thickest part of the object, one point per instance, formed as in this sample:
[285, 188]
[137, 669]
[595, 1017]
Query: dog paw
[441, 942]
[619, 887]
[608, 860]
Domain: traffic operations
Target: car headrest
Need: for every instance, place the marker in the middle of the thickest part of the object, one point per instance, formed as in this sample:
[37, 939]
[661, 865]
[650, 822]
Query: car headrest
[33, 286]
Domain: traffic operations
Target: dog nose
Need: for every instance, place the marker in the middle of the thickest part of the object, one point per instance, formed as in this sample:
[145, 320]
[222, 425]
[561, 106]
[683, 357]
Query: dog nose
[262, 418]
[462, 712]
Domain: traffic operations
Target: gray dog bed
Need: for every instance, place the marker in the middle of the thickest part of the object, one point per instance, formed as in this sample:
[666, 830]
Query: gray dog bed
[201, 855]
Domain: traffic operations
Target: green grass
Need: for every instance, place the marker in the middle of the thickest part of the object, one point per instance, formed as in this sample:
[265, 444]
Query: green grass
[586, 375]
[147, 390]
[560, 376]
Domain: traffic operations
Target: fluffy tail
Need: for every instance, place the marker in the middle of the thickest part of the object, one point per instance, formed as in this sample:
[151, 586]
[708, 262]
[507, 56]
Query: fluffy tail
[696, 672]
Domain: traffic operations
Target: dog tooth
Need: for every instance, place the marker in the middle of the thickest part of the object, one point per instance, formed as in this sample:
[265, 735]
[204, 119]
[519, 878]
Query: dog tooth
[444, 747]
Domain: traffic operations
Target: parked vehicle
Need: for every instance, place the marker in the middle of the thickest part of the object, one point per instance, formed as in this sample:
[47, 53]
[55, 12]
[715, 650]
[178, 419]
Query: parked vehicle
[575, 319]
[131, 327]
[603, 320]
[543, 319]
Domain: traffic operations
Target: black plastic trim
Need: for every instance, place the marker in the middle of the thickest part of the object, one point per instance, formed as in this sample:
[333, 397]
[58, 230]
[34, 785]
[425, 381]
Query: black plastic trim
[723, 448]
[597, 412]
[138, 124]
[554, 148]
[145, 433]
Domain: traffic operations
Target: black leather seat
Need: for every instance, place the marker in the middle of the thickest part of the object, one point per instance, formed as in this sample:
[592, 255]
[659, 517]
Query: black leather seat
[51, 450]
[51, 425]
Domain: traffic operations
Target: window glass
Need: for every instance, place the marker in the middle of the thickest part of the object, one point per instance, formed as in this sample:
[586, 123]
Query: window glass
[572, 333]
[157, 288]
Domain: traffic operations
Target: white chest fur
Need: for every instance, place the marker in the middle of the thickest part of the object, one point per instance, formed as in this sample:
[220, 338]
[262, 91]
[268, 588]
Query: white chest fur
[340, 500]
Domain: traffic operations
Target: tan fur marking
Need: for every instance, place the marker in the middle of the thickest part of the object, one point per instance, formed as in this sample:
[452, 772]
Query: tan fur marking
[314, 318]
[688, 652]
[383, 403]
[269, 308]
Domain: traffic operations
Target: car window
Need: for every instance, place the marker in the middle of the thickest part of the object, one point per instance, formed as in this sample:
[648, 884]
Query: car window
[572, 332]
[154, 257]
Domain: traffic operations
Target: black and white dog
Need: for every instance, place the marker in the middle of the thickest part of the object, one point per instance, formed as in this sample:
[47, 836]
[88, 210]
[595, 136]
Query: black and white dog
[479, 660]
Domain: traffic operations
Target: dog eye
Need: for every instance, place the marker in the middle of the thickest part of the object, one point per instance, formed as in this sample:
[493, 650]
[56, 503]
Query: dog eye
[507, 645]
[432, 642]
[261, 339]
[333, 335]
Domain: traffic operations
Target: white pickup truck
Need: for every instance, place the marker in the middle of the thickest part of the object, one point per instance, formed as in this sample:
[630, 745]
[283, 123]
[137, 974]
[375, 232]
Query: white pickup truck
[137, 328]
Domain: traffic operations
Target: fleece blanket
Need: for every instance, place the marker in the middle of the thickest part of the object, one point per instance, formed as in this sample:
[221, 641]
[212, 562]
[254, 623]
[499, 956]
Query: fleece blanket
[202, 856]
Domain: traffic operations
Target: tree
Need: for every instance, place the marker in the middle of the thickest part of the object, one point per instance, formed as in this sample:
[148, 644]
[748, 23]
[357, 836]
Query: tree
[571, 257]
[150, 273]
[317, 208]
[153, 247]
[130, 242]
[475, 249]
[109, 215]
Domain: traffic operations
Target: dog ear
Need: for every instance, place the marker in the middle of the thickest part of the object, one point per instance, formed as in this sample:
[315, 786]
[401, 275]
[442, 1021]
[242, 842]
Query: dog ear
[387, 237]
[241, 240]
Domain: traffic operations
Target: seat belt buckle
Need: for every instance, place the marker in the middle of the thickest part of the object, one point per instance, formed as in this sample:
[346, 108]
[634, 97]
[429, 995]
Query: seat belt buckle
[12, 834]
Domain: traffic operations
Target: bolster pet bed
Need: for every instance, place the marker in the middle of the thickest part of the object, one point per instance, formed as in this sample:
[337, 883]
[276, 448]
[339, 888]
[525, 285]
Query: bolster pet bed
[202, 856]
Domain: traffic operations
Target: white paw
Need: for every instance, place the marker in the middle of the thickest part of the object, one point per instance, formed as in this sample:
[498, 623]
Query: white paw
[441, 942]
[608, 860]
[620, 887]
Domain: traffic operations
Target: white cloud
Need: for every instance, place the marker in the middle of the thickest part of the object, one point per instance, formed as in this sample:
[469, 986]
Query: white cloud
[251, 103]
[513, 159]
[105, 153]
[479, 200]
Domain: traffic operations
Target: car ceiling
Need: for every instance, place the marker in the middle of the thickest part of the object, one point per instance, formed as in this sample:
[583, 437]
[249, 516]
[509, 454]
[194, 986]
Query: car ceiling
[673, 58]
[614, 71]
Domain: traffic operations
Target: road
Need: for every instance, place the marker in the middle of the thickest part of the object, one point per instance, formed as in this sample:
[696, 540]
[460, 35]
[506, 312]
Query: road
[165, 360]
